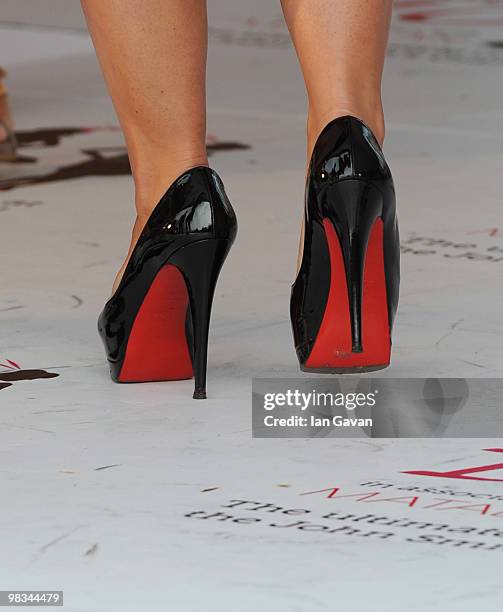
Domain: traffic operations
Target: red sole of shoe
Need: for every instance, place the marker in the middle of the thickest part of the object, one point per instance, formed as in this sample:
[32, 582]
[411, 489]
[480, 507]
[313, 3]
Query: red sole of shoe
[157, 348]
[332, 350]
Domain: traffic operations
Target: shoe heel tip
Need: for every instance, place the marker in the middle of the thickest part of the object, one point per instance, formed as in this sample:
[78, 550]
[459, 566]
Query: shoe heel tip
[199, 394]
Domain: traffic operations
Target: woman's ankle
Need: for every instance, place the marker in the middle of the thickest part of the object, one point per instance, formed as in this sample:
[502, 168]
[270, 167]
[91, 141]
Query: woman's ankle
[152, 180]
[317, 120]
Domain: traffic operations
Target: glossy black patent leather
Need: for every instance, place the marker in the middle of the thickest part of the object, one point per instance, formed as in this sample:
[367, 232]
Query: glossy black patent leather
[349, 183]
[193, 227]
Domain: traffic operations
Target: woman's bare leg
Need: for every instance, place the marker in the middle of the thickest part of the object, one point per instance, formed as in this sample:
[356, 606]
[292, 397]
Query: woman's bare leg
[153, 56]
[5, 113]
[5, 117]
[341, 46]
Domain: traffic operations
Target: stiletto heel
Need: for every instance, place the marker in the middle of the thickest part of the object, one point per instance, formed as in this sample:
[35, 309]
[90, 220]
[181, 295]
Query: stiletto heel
[200, 265]
[345, 296]
[155, 326]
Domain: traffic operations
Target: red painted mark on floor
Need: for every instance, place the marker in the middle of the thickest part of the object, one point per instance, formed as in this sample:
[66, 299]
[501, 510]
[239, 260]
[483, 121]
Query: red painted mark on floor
[435, 10]
[462, 473]
[11, 366]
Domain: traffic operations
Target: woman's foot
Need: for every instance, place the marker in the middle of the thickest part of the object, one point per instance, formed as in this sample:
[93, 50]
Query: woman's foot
[371, 113]
[149, 190]
[345, 295]
[155, 327]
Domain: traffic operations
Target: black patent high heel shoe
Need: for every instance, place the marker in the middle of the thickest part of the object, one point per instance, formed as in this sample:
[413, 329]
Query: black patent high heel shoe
[345, 295]
[155, 326]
